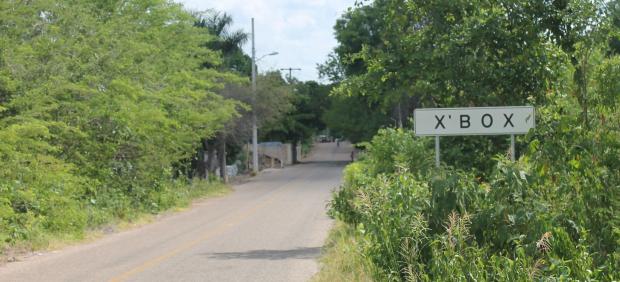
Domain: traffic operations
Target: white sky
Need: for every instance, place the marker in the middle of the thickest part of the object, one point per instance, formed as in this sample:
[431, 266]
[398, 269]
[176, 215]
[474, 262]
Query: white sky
[301, 31]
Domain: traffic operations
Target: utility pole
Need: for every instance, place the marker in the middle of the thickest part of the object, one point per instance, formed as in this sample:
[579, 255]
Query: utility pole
[290, 72]
[254, 129]
[255, 167]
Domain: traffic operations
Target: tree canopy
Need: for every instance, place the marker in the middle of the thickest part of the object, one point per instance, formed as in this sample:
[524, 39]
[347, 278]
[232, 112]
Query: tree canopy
[395, 55]
[99, 101]
[551, 214]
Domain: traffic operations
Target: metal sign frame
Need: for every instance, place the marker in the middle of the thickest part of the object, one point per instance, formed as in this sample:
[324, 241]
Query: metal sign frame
[468, 111]
[447, 111]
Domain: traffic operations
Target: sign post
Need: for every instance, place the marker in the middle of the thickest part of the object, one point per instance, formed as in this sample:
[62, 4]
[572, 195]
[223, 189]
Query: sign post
[437, 147]
[512, 147]
[474, 121]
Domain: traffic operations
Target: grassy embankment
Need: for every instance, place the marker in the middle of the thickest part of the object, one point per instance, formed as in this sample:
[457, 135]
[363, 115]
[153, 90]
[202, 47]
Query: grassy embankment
[341, 260]
[45, 240]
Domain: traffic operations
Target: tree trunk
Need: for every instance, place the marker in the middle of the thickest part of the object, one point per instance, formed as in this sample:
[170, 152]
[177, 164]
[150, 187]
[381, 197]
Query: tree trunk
[221, 155]
[211, 157]
[294, 149]
[204, 167]
[400, 116]
[248, 157]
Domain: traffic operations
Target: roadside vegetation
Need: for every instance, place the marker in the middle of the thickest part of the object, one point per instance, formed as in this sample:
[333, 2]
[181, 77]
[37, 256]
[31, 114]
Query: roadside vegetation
[342, 260]
[100, 103]
[553, 215]
[110, 110]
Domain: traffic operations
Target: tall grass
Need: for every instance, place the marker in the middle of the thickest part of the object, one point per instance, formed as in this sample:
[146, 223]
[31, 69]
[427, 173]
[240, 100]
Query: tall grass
[552, 215]
[60, 226]
[342, 260]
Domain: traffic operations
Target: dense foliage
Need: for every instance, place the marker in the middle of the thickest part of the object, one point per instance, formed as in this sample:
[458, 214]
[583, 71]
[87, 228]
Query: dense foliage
[395, 55]
[309, 101]
[99, 101]
[553, 214]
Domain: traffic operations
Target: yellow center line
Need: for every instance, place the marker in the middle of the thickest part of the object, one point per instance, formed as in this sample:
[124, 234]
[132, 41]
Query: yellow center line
[208, 235]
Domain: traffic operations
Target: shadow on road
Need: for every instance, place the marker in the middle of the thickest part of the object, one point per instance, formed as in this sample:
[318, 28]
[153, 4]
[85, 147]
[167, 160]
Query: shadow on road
[298, 253]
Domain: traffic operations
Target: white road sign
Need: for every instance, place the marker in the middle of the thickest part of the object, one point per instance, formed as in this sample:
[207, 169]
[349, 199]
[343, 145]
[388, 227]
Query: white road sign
[474, 121]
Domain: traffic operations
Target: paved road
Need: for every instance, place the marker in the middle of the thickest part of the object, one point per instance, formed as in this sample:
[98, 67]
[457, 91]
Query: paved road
[270, 229]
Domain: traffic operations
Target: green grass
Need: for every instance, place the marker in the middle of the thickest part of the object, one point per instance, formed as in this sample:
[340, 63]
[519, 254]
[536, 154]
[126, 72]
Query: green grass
[341, 260]
[44, 240]
[203, 189]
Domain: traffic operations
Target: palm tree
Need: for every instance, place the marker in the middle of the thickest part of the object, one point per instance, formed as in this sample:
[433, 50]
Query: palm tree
[218, 24]
[229, 43]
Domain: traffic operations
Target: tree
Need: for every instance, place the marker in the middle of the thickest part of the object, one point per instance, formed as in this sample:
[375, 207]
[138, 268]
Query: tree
[99, 102]
[228, 42]
[234, 60]
[459, 54]
[273, 100]
[360, 29]
[304, 118]
[614, 38]
[353, 118]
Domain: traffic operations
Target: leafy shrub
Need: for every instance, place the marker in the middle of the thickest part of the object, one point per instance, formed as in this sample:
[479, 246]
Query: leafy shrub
[343, 202]
[97, 104]
[393, 150]
[549, 216]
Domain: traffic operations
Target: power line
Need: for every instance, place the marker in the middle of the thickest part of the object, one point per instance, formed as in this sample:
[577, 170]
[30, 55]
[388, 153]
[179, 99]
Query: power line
[290, 72]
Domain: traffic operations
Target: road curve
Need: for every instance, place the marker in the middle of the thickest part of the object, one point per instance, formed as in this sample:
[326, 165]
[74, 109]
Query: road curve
[271, 228]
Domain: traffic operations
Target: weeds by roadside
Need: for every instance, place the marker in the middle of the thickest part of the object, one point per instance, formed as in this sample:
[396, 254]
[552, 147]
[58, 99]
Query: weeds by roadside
[341, 259]
[548, 216]
[40, 239]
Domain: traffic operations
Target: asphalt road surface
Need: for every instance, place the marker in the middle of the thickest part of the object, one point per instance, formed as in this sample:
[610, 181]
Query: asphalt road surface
[271, 228]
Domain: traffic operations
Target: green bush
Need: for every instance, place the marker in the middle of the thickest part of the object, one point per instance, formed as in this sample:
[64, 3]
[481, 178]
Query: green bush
[552, 215]
[393, 150]
[97, 104]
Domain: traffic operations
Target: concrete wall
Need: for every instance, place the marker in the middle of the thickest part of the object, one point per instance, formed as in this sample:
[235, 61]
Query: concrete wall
[280, 152]
[288, 149]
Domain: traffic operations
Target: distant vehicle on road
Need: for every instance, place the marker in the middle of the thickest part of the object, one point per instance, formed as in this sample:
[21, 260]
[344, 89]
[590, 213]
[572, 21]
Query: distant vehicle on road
[323, 139]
